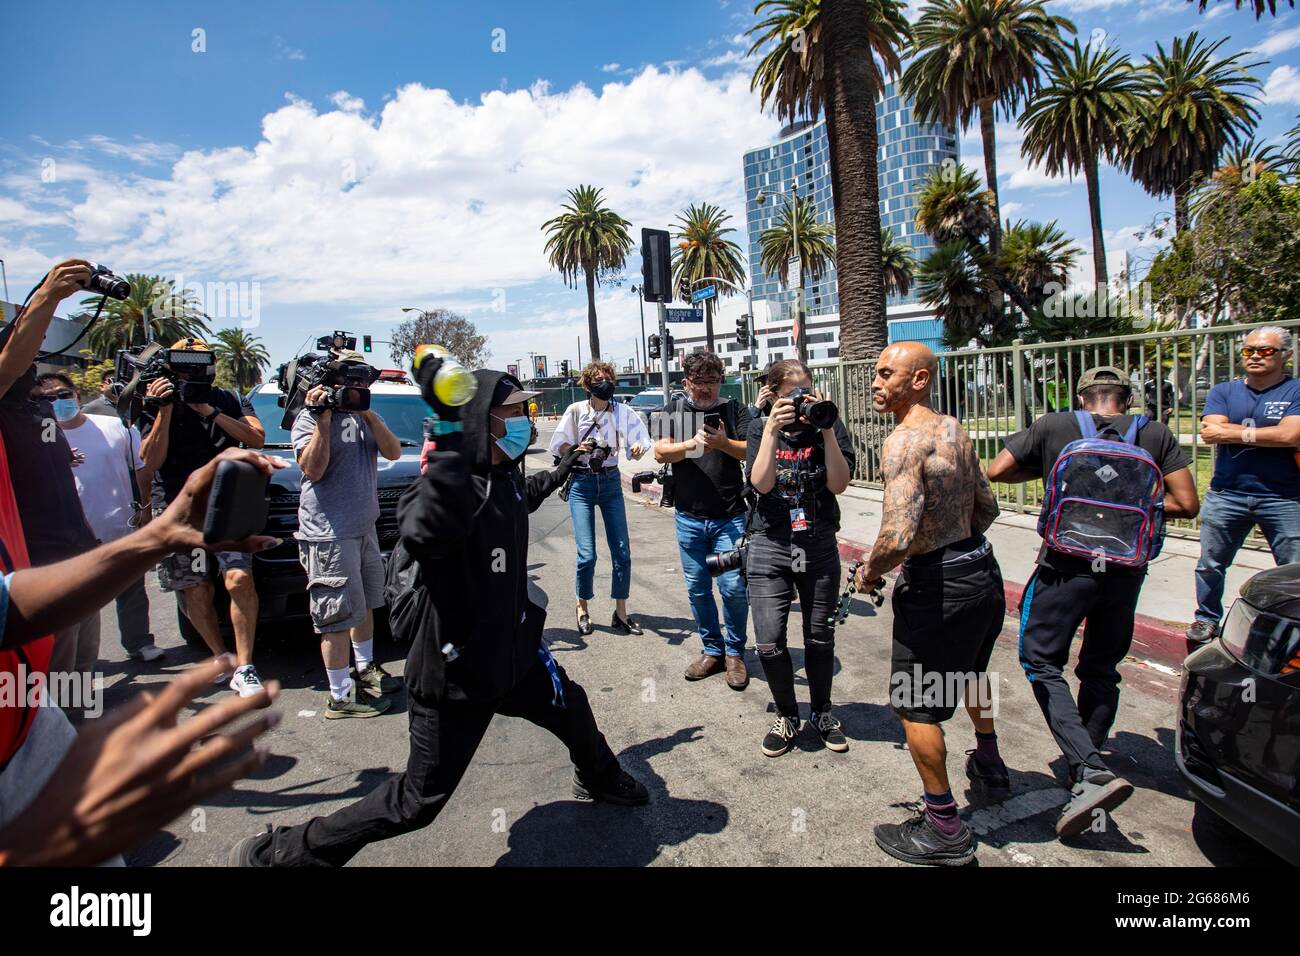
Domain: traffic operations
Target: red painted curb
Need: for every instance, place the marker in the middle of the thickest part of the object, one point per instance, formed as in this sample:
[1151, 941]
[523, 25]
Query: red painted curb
[1162, 642]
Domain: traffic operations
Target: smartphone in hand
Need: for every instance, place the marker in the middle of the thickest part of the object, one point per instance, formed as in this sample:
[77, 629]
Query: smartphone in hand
[713, 420]
[237, 503]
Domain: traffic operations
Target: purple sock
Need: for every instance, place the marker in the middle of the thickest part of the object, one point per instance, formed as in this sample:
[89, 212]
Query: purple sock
[986, 748]
[942, 810]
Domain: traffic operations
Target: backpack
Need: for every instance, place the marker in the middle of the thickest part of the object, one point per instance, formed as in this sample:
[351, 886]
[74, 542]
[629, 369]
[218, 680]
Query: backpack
[1105, 497]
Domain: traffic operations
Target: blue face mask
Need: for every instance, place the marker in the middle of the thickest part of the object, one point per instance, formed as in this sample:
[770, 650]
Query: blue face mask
[519, 432]
[65, 409]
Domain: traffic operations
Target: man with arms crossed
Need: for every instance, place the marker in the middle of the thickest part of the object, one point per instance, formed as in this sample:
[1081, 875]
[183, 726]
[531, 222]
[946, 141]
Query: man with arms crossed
[948, 602]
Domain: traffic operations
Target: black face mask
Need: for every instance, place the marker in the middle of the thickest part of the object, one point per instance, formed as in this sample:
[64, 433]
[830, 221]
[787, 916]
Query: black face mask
[602, 390]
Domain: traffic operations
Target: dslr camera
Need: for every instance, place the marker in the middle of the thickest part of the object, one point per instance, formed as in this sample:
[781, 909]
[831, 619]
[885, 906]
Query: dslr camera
[346, 381]
[821, 414]
[729, 560]
[191, 372]
[666, 481]
[104, 281]
[599, 455]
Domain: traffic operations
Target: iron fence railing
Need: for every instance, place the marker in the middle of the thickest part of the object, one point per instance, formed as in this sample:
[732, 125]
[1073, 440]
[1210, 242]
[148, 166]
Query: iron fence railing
[996, 392]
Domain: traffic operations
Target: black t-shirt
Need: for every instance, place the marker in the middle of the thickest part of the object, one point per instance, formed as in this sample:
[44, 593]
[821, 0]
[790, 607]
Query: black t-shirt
[192, 442]
[711, 485]
[1038, 446]
[800, 483]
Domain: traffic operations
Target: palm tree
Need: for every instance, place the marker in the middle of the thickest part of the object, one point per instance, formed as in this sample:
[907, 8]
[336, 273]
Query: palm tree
[831, 57]
[1036, 256]
[704, 252]
[1078, 118]
[898, 263]
[590, 239]
[974, 57]
[1192, 108]
[154, 311]
[242, 356]
[816, 250]
[951, 281]
[1259, 6]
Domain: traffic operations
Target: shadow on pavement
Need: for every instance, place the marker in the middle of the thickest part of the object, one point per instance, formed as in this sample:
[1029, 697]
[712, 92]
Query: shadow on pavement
[573, 833]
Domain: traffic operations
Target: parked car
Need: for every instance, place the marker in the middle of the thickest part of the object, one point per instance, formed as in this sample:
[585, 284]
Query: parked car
[280, 580]
[651, 400]
[1238, 738]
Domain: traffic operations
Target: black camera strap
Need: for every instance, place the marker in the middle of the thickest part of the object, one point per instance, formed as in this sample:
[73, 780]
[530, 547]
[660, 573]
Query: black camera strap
[568, 481]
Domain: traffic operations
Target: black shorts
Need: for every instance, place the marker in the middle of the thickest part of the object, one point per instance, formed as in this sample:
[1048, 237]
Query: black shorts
[948, 609]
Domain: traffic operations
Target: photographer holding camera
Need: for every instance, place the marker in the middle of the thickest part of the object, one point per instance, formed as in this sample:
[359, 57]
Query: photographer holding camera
[703, 439]
[597, 484]
[186, 423]
[800, 458]
[338, 546]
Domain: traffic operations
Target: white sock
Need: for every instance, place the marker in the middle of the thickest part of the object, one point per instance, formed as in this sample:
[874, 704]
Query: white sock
[340, 682]
[365, 653]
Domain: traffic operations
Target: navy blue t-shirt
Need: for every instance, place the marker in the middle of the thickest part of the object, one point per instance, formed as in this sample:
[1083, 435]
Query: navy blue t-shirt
[1251, 469]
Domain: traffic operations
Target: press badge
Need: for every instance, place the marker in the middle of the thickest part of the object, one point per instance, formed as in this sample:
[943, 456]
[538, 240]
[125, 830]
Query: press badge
[798, 521]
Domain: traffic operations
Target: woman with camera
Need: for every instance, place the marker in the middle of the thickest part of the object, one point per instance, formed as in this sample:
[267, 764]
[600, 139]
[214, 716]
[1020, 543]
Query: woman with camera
[610, 426]
[799, 459]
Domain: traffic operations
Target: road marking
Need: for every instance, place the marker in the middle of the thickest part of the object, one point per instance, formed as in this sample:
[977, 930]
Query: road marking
[988, 819]
[306, 713]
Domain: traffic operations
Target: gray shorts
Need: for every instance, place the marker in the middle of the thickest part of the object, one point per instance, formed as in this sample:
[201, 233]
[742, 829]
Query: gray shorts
[186, 569]
[345, 578]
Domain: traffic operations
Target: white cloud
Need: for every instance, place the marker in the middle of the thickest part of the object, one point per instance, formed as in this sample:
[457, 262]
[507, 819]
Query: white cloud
[1282, 86]
[288, 52]
[1014, 171]
[430, 198]
[611, 67]
[13, 211]
[1278, 42]
[729, 58]
[347, 102]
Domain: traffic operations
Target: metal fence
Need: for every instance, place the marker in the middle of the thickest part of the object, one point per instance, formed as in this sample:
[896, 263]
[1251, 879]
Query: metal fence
[996, 392]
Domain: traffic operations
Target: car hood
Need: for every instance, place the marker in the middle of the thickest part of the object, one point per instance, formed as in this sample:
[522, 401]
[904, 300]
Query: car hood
[1276, 590]
[392, 474]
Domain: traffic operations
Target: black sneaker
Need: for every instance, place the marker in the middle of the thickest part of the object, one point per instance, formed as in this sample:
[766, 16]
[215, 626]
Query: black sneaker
[247, 852]
[1201, 631]
[918, 840]
[1099, 790]
[829, 728]
[780, 737]
[982, 775]
[623, 790]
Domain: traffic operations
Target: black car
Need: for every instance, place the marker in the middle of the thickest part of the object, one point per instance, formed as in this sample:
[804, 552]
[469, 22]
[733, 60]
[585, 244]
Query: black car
[1238, 740]
[280, 580]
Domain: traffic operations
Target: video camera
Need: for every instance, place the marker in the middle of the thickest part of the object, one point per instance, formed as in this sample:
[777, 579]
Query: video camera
[191, 372]
[664, 476]
[346, 382]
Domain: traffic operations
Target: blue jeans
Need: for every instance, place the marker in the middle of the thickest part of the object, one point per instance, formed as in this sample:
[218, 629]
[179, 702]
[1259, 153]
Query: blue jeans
[697, 538]
[606, 491]
[1226, 519]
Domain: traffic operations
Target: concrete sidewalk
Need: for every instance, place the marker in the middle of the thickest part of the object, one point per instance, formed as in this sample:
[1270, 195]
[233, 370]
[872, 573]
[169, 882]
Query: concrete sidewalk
[1167, 605]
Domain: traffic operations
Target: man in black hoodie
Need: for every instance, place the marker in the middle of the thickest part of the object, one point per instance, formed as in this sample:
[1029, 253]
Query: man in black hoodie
[481, 653]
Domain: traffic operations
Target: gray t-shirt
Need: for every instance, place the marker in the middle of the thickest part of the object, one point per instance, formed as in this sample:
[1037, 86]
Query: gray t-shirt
[344, 503]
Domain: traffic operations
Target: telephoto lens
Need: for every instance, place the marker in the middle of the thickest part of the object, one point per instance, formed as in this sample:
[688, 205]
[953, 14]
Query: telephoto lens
[725, 561]
[820, 414]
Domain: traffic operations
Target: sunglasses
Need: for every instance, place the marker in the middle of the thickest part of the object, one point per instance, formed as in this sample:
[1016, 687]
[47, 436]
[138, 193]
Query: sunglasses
[63, 393]
[1263, 351]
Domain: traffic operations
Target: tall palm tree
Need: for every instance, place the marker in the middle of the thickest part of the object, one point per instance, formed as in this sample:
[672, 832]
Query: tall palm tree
[591, 240]
[154, 308]
[1192, 107]
[1259, 6]
[897, 262]
[831, 57]
[1077, 119]
[242, 355]
[816, 250]
[974, 57]
[705, 252]
[1036, 256]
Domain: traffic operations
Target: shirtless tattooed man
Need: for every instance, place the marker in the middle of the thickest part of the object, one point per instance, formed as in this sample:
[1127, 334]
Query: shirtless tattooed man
[948, 602]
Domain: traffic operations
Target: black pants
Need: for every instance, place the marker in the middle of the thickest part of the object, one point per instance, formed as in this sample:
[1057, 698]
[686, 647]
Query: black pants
[777, 571]
[443, 741]
[1054, 604]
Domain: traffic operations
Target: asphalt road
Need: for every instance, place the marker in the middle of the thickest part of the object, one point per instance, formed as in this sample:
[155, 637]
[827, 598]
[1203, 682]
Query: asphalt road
[716, 800]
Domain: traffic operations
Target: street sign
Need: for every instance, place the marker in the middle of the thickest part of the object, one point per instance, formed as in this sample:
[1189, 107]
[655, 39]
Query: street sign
[708, 292]
[792, 270]
[684, 315]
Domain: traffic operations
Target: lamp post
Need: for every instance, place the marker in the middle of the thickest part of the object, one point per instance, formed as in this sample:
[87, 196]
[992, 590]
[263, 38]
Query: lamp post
[801, 348]
[637, 290]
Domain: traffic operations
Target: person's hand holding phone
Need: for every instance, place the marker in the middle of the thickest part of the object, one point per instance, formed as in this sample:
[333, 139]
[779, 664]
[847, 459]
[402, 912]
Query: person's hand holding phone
[180, 527]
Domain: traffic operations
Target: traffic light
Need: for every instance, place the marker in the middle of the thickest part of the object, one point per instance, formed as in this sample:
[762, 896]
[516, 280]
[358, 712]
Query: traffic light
[654, 346]
[742, 331]
[564, 368]
[668, 345]
[365, 343]
[656, 266]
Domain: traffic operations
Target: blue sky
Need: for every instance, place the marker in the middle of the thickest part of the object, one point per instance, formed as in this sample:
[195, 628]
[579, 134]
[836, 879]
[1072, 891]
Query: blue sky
[330, 163]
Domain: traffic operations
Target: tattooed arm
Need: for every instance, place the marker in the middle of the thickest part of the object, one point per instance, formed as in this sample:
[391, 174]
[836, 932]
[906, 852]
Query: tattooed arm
[904, 502]
[986, 506]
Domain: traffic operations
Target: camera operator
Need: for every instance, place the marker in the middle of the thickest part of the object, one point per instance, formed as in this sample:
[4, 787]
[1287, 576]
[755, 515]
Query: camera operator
[597, 484]
[704, 441]
[762, 403]
[465, 522]
[338, 546]
[797, 468]
[180, 437]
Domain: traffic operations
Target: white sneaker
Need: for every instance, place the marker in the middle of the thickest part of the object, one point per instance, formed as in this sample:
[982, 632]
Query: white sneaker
[150, 652]
[246, 683]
